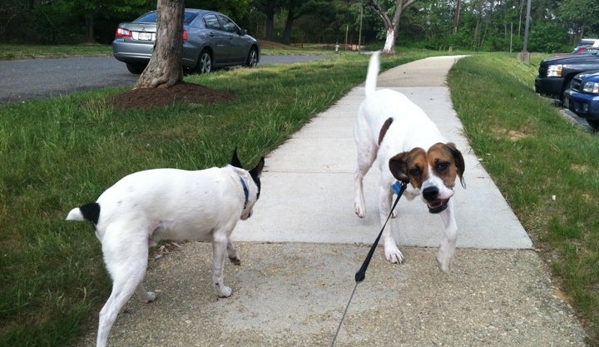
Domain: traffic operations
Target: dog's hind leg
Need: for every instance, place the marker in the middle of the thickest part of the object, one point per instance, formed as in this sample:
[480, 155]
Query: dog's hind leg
[219, 247]
[447, 248]
[126, 260]
[233, 257]
[366, 157]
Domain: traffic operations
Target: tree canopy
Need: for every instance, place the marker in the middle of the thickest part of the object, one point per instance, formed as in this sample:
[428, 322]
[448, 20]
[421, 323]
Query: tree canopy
[486, 25]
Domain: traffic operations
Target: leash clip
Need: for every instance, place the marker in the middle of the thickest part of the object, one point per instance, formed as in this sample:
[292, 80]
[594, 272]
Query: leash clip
[398, 187]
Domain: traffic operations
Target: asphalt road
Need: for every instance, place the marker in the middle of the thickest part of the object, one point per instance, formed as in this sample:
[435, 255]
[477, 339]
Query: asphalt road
[38, 78]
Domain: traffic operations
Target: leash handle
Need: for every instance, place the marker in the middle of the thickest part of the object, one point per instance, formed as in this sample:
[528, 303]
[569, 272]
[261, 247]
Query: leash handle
[361, 274]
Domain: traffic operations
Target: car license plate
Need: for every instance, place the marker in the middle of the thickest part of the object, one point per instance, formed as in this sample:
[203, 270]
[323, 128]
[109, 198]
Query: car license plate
[142, 36]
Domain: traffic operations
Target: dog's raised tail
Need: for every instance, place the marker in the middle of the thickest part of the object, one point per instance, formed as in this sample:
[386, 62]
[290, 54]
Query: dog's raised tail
[372, 74]
[90, 212]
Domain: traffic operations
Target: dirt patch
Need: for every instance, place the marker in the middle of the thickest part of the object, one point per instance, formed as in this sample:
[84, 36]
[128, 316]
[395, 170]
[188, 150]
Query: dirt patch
[158, 97]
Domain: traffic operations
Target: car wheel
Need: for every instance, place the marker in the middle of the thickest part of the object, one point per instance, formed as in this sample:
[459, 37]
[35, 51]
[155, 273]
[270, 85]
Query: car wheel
[594, 124]
[252, 59]
[565, 86]
[204, 62]
[136, 69]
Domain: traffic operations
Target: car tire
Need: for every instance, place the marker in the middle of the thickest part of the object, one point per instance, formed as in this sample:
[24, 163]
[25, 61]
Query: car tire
[594, 124]
[204, 62]
[252, 59]
[136, 69]
[565, 86]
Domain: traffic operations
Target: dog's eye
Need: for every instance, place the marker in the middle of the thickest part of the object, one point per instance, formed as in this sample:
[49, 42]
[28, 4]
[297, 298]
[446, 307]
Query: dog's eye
[415, 171]
[442, 166]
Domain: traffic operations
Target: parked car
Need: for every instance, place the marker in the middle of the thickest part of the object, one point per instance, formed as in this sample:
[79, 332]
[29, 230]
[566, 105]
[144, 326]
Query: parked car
[587, 42]
[577, 50]
[582, 97]
[556, 73]
[210, 40]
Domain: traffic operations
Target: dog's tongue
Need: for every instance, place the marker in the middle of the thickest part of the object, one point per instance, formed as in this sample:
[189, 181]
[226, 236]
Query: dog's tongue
[436, 204]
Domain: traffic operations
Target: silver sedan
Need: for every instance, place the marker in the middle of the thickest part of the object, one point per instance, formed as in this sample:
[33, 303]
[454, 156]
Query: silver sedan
[210, 40]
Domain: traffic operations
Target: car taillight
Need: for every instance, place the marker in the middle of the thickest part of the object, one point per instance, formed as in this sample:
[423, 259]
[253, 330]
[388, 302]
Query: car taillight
[122, 32]
[184, 35]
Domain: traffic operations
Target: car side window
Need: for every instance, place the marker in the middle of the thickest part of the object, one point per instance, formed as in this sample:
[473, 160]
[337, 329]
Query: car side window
[211, 22]
[228, 24]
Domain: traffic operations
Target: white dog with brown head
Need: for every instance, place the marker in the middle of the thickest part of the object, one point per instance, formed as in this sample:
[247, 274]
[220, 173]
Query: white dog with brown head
[408, 148]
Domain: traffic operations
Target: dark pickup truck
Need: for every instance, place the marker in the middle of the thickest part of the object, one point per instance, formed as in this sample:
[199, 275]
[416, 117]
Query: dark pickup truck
[555, 74]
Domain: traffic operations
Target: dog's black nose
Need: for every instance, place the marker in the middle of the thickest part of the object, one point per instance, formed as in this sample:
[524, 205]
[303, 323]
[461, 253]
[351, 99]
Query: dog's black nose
[430, 193]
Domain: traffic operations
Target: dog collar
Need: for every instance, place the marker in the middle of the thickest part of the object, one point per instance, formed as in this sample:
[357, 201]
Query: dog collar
[246, 192]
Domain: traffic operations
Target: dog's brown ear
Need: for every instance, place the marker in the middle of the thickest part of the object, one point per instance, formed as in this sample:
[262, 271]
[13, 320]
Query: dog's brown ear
[459, 161]
[235, 160]
[399, 167]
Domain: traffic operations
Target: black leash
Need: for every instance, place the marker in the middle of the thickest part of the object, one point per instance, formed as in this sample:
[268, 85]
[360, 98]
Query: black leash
[398, 188]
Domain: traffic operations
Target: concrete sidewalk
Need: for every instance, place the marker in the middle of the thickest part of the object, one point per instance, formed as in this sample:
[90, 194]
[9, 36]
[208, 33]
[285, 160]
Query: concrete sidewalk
[303, 245]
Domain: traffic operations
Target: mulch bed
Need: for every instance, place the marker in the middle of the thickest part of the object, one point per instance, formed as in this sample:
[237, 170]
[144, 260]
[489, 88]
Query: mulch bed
[157, 97]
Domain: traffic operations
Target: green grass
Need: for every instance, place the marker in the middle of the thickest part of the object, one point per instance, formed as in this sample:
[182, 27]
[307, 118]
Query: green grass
[10, 52]
[62, 152]
[545, 167]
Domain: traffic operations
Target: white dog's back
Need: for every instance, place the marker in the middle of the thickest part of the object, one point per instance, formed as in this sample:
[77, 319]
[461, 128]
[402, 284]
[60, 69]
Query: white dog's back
[376, 109]
[174, 199]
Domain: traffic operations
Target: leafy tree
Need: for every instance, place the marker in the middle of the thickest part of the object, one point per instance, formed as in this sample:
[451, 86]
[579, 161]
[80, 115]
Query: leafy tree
[391, 24]
[546, 36]
[577, 15]
[299, 8]
[269, 8]
[236, 9]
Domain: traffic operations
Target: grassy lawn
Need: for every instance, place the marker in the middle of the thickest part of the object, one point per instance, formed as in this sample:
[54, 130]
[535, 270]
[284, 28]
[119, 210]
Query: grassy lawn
[545, 167]
[61, 152]
[10, 52]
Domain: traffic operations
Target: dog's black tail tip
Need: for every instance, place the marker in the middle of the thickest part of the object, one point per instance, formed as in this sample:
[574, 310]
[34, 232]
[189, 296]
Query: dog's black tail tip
[90, 212]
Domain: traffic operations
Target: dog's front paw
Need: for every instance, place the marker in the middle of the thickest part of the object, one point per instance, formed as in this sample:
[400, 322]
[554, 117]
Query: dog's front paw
[393, 255]
[223, 291]
[359, 209]
[235, 260]
[148, 297]
[443, 261]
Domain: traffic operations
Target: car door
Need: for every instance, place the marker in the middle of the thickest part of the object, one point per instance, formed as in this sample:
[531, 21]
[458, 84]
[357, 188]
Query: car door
[217, 39]
[236, 45]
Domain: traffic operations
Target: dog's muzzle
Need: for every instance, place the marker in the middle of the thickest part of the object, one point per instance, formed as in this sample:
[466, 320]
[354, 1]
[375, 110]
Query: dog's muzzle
[431, 196]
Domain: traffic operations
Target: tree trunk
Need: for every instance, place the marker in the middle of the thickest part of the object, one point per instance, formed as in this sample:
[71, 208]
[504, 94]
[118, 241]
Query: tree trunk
[291, 17]
[288, 26]
[389, 41]
[89, 24]
[391, 26]
[270, 26]
[269, 10]
[164, 69]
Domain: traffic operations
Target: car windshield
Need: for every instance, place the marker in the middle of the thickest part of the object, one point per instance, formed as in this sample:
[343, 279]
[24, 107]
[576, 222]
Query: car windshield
[150, 17]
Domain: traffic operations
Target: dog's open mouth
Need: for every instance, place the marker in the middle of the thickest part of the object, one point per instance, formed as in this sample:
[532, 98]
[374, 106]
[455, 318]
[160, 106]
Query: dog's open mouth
[437, 206]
